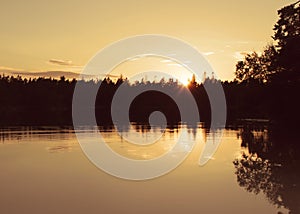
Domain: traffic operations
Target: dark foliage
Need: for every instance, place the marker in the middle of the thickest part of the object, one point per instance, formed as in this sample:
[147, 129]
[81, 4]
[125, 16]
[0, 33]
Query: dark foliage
[49, 102]
[270, 165]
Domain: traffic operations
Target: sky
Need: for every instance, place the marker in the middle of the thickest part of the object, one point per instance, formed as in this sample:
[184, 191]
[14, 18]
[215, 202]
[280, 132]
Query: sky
[63, 35]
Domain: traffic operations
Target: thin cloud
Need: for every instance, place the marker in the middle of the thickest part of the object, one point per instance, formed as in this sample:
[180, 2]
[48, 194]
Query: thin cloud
[208, 53]
[133, 59]
[53, 74]
[243, 42]
[4, 69]
[239, 55]
[166, 60]
[67, 64]
[137, 57]
[174, 64]
[61, 62]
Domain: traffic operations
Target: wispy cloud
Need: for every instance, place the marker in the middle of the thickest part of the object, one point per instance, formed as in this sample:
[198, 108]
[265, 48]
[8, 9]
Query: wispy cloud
[133, 59]
[243, 42]
[61, 62]
[239, 55]
[208, 53]
[166, 60]
[4, 69]
[137, 57]
[174, 64]
[54, 74]
[66, 65]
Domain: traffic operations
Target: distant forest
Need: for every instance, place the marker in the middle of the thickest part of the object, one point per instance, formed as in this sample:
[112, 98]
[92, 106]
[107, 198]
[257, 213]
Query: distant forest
[46, 101]
[266, 86]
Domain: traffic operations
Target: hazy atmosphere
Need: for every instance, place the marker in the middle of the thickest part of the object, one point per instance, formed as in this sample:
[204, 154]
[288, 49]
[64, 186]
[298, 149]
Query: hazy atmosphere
[39, 36]
[149, 107]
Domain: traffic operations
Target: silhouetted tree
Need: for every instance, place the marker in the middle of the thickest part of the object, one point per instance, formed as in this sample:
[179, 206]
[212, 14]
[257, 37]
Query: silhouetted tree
[256, 67]
[278, 63]
[287, 36]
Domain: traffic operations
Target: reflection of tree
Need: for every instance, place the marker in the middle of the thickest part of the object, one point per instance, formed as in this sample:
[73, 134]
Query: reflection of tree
[255, 143]
[271, 167]
[255, 175]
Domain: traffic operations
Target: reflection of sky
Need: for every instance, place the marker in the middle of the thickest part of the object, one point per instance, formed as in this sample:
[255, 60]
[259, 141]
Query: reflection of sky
[33, 134]
[34, 177]
[158, 148]
[57, 139]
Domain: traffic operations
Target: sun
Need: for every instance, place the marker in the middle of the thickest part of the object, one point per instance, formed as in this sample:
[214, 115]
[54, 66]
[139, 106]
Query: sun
[184, 81]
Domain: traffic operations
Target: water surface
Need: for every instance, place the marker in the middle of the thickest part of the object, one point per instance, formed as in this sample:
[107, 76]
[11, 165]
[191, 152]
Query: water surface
[43, 170]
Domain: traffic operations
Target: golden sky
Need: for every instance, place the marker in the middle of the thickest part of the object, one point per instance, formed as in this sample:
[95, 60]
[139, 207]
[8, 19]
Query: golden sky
[39, 35]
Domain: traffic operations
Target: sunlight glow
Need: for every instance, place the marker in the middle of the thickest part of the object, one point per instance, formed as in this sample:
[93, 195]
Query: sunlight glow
[153, 69]
[184, 81]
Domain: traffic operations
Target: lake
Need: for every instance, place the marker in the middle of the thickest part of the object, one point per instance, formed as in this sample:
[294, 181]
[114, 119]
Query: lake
[44, 170]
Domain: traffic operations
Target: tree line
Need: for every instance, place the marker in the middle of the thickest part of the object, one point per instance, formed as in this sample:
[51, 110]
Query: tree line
[47, 101]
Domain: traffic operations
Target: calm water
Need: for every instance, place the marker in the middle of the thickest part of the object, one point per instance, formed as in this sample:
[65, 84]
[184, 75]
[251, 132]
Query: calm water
[43, 170]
